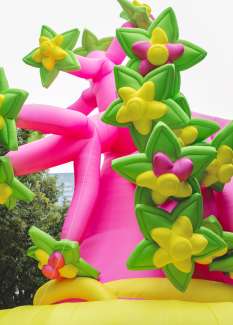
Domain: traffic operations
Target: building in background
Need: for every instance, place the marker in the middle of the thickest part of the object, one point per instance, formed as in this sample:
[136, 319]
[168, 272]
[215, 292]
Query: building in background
[67, 181]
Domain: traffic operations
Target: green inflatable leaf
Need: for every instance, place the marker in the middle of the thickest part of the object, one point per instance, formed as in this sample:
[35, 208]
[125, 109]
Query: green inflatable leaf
[15, 189]
[3, 80]
[193, 54]
[11, 102]
[150, 218]
[86, 270]
[213, 224]
[167, 21]
[91, 43]
[142, 257]
[223, 264]
[215, 242]
[125, 77]
[135, 14]
[69, 63]
[131, 166]
[179, 279]
[140, 140]
[47, 32]
[48, 77]
[162, 139]
[67, 248]
[201, 157]
[225, 136]
[191, 208]
[143, 196]
[70, 39]
[42, 240]
[164, 80]
[205, 128]
[175, 118]
[109, 115]
[183, 103]
[62, 58]
[128, 36]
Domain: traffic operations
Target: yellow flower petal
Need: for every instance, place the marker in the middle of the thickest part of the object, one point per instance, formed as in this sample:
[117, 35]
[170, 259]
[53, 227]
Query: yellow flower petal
[183, 227]
[161, 258]
[158, 198]
[199, 243]
[156, 110]
[225, 154]
[183, 190]
[2, 122]
[205, 260]
[162, 237]
[68, 271]
[147, 179]
[58, 39]
[1, 99]
[37, 57]
[42, 257]
[158, 54]
[123, 115]
[159, 36]
[126, 93]
[48, 63]
[44, 39]
[189, 135]
[209, 180]
[143, 126]
[59, 53]
[147, 91]
[213, 167]
[5, 192]
[225, 173]
[167, 184]
[180, 248]
[184, 266]
[146, 6]
[136, 108]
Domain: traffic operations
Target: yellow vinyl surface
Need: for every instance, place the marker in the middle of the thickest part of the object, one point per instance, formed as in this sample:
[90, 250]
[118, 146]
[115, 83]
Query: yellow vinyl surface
[122, 312]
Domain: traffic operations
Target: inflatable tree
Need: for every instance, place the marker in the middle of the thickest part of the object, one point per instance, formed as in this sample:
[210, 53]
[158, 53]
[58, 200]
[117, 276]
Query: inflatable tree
[154, 222]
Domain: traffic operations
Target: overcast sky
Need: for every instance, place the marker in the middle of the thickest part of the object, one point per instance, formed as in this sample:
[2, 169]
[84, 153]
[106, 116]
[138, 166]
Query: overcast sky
[208, 23]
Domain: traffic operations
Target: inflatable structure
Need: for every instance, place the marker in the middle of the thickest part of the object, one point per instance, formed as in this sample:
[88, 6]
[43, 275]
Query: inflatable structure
[148, 238]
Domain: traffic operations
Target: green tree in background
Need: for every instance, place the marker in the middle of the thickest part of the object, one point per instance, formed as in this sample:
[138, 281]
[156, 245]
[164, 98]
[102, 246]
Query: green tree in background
[19, 275]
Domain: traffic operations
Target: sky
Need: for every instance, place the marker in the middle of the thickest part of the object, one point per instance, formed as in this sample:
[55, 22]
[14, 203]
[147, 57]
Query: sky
[208, 23]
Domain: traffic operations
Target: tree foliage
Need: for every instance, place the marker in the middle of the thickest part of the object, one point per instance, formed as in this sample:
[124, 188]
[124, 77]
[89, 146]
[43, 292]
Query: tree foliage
[19, 275]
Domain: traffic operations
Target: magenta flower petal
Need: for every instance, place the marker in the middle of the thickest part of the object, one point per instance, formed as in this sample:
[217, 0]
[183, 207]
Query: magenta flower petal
[183, 168]
[140, 49]
[145, 67]
[162, 164]
[49, 272]
[175, 51]
[56, 260]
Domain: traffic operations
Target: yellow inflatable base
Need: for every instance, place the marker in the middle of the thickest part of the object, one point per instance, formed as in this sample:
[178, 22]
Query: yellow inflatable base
[122, 312]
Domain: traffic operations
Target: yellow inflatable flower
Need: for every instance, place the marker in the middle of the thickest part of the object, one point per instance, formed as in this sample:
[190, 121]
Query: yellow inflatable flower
[158, 53]
[49, 52]
[2, 121]
[221, 169]
[5, 192]
[140, 108]
[137, 3]
[178, 245]
[164, 186]
[187, 135]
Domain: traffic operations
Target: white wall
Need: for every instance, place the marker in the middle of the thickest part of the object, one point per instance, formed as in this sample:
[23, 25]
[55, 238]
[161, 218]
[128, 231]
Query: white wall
[208, 23]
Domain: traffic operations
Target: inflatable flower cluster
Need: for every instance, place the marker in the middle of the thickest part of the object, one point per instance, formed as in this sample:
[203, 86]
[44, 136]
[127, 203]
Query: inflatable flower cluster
[154, 218]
